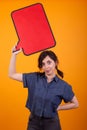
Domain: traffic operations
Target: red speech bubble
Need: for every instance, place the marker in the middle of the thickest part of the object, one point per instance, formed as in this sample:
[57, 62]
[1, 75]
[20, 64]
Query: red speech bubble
[33, 29]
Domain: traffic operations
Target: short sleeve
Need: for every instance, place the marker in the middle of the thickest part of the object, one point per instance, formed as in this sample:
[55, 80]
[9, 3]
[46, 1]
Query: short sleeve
[28, 79]
[25, 80]
[68, 93]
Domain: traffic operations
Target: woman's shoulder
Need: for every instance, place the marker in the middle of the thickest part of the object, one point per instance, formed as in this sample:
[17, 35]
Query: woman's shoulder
[64, 82]
[31, 74]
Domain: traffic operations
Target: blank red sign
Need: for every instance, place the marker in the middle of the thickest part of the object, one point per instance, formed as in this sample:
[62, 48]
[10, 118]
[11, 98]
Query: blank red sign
[33, 29]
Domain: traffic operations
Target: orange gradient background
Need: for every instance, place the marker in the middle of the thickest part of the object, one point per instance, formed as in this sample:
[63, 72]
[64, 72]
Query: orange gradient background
[68, 21]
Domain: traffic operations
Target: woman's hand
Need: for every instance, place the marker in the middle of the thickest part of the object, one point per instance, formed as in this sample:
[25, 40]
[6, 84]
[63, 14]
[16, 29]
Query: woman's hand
[14, 51]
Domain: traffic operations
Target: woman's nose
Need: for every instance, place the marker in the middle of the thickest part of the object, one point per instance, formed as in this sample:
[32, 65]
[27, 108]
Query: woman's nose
[46, 66]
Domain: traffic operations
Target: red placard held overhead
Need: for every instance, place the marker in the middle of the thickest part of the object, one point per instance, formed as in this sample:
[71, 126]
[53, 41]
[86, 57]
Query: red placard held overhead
[33, 29]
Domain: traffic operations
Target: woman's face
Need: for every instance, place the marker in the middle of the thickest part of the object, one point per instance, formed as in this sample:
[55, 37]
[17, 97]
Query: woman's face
[48, 66]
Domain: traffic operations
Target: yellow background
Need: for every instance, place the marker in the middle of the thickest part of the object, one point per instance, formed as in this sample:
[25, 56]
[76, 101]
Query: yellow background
[68, 22]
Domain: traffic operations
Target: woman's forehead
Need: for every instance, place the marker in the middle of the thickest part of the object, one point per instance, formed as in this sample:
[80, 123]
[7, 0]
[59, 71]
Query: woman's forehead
[46, 59]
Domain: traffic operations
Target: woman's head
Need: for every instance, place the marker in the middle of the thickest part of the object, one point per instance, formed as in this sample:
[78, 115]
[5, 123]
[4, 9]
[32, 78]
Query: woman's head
[48, 61]
[44, 54]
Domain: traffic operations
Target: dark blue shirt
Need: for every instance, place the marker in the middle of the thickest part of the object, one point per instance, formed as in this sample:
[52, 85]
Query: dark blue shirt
[44, 98]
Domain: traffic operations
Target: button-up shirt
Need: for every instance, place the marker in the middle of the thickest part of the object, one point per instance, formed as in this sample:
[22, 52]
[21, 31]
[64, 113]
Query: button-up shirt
[43, 97]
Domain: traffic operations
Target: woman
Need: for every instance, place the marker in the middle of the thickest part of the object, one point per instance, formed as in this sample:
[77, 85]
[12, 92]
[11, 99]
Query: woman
[46, 91]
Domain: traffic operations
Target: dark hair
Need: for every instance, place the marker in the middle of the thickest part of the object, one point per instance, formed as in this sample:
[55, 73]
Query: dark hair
[53, 56]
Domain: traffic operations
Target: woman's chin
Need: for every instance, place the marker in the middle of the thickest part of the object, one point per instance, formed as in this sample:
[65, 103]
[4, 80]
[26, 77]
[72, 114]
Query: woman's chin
[48, 73]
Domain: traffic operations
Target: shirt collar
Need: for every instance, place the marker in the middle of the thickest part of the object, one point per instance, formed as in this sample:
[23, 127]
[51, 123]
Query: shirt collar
[56, 78]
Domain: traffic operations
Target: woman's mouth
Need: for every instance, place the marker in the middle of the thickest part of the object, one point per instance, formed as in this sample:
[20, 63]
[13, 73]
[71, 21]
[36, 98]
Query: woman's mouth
[47, 71]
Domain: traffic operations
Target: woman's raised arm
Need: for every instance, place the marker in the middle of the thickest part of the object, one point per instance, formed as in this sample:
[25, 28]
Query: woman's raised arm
[12, 66]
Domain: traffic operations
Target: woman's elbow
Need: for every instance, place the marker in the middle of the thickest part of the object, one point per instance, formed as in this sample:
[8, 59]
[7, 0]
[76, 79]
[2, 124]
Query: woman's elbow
[11, 75]
[76, 104]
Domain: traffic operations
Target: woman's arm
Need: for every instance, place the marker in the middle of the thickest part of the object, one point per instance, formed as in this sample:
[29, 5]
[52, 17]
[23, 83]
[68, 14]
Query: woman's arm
[12, 67]
[73, 104]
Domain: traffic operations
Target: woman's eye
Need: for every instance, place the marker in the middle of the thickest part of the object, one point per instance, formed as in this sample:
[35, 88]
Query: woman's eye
[49, 62]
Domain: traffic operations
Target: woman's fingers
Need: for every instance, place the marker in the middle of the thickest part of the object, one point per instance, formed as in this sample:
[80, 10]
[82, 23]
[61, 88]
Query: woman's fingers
[16, 51]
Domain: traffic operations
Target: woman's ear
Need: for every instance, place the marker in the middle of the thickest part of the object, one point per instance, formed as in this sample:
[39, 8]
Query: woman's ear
[56, 63]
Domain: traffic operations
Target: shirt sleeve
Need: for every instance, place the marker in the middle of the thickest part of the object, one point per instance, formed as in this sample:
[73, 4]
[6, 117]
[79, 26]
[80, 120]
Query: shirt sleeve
[68, 93]
[28, 79]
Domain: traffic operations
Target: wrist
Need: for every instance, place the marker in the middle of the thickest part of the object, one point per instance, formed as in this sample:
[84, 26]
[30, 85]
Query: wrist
[14, 54]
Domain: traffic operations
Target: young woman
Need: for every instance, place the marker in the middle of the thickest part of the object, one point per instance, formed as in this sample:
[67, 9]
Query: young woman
[46, 91]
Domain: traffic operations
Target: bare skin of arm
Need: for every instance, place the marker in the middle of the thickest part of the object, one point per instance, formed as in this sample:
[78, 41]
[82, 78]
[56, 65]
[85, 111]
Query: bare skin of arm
[12, 66]
[71, 105]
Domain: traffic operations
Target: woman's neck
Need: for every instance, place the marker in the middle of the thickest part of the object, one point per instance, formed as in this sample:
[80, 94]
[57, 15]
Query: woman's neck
[50, 77]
